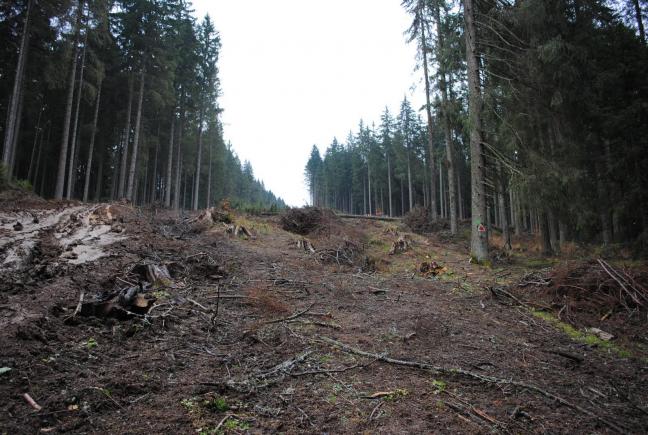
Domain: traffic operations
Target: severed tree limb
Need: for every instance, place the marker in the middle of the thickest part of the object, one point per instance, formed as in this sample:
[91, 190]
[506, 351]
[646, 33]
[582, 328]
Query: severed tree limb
[294, 316]
[285, 366]
[32, 402]
[458, 371]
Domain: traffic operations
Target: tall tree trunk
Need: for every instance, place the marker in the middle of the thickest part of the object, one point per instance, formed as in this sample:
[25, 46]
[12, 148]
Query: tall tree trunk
[41, 190]
[409, 180]
[11, 127]
[518, 214]
[479, 234]
[99, 178]
[447, 132]
[503, 216]
[196, 190]
[155, 166]
[178, 174]
[369, 185]
[544, 233]
[209, 174]
[460, 196]
[40, 153]
[562, 234]
[124, 157]
[138, 122]
[16, 138]
[169, 178]
[60, 176]
[639, 18]
[428, 112]
[37, 132]
[442, 205]
[364, 196]
[389, 185]
[71, 178]
[86, 184]
[402, 189]
[553, 230]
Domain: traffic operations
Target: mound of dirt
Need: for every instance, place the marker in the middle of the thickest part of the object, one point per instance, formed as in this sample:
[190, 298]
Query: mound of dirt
[307, 220]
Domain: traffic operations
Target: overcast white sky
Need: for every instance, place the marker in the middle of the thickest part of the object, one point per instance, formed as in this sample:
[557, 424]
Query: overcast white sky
[298, 72]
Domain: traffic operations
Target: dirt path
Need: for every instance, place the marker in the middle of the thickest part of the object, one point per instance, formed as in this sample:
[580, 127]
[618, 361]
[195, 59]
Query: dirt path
[243, 339]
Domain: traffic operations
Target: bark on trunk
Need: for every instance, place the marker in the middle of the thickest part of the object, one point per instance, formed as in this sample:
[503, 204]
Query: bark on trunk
[155, 165]
[369, 186]
[442, 191]
[16, 138]
[428, 112]
[209, 174]
[544, 234]
[389, 185]
[99, 180]
[178, 177]
[40, 153]
[169, 178]
[86, 184]
[138, 122]
[37, 132]
[639, 18]
[504, 218]
[562, 233]
[60, 176]
[196, 191]
[124, 157]
[11, 127]
[409, 180]
[75, 128]
[553, 230]
[402, 188]
[518, 214]
[479, 239]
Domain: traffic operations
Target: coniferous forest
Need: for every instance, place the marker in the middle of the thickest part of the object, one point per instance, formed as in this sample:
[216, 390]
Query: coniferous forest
[473, 260]
[105, 99]
[536, 121]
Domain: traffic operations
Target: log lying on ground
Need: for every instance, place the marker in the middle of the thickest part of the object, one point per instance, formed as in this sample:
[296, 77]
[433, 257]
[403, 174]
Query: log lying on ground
[374, 218]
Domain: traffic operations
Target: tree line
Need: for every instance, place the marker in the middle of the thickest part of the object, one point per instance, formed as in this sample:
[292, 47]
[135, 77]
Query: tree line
[536, 120]
[110, 99]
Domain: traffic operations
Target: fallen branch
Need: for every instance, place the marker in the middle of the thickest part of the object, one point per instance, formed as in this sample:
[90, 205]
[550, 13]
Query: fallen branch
[458, 371]
[286, 365]
[32, 402]
[294, 316]
[78, 307]
[314, 322]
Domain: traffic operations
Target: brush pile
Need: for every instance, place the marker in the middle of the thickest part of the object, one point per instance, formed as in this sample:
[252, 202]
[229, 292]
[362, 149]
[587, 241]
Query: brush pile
[307, 220]
[419, 221]
[592, 293]
[345, 252]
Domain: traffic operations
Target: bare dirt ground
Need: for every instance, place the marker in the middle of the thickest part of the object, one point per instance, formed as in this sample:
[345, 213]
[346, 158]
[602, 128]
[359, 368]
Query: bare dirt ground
[264, 335]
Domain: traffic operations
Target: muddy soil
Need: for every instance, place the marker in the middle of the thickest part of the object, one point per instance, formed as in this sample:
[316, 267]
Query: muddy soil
[258, 335]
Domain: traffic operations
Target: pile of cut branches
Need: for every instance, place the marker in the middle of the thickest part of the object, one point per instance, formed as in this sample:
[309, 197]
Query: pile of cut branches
[419, 221]
[345, 252]
[305, 220]
[591, 292]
